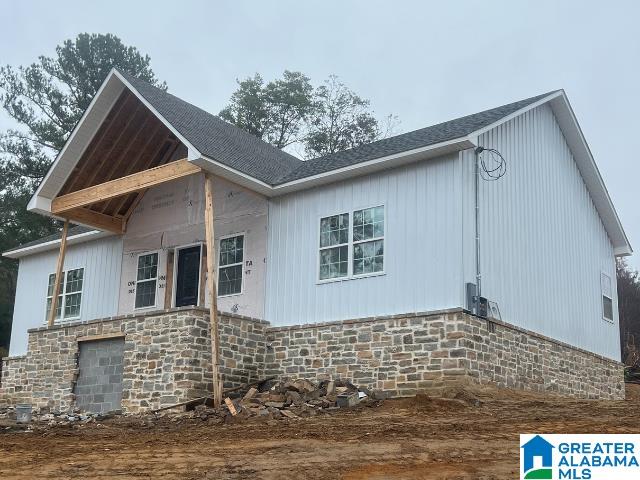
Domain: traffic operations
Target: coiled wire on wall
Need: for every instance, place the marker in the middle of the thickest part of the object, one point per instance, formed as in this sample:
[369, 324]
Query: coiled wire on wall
[493, 165]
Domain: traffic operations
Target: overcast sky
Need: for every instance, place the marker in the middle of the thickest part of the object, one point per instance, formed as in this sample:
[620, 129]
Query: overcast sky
[423, 61]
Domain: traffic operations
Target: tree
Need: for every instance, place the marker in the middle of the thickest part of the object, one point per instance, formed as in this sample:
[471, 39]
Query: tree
[340, 120]
[288, 111]
[247, 108]
[46, 99]
[274, 112]
[628, 282]
[289, 102]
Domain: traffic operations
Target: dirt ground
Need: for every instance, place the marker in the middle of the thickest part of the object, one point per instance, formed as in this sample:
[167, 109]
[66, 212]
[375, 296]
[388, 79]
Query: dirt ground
[417, 438]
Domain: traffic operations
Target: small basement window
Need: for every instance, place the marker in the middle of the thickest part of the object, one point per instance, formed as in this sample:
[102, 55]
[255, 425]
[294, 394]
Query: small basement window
[70, 298]
[607, 297]
[146, 280]
[230, 268]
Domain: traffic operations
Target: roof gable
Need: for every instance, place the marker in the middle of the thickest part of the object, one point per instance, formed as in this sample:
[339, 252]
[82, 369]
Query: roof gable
[238, 156]
[217, 139]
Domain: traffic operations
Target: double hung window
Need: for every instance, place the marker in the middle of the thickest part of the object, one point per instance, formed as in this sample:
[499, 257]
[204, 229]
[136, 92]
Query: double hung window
[352, 244]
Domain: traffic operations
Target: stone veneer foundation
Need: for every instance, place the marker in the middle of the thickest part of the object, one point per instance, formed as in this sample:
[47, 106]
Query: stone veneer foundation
[167, 357]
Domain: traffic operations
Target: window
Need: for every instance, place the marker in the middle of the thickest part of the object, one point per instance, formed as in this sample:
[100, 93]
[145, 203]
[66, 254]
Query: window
[230, 265]
[607, 297]
[334, 246]
[358, 251]
[368, 240]
[146, 280]
[70, 297]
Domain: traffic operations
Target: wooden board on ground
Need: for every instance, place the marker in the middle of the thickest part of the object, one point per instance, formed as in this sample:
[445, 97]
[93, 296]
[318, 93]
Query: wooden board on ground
[250, 394]
[231, 406]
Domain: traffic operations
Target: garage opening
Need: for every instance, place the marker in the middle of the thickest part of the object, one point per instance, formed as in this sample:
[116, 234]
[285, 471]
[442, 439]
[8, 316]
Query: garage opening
[99, 385]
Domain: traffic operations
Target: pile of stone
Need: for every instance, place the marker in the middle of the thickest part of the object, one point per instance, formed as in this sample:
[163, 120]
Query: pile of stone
[295, 398]
[270, 399]
[44, 415]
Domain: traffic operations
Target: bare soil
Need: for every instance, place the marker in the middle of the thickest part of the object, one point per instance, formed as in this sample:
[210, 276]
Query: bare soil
[415, 438]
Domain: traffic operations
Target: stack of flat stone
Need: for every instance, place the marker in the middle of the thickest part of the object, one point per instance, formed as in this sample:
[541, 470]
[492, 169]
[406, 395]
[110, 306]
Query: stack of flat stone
[294, 398]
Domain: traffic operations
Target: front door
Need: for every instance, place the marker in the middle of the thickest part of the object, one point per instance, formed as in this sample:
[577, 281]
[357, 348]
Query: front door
[188, 276]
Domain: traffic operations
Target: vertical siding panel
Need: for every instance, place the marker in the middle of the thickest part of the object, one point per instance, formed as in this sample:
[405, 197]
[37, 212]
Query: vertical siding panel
[543, 243]
[422, 263]
[100, 259]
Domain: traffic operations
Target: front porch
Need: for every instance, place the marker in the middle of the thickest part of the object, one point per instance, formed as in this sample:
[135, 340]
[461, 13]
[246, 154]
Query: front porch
[165, 359]
[132, 151]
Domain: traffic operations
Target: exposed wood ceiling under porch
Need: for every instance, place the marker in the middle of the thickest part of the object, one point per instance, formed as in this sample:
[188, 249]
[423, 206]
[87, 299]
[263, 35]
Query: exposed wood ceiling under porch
[130, 141]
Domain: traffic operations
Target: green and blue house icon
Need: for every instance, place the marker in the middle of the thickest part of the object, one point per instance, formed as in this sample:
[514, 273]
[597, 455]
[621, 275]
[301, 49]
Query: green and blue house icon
[537, 447]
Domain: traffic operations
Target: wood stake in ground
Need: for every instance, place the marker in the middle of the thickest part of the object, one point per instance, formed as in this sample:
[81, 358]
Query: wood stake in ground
[213, 290]
[59, 269]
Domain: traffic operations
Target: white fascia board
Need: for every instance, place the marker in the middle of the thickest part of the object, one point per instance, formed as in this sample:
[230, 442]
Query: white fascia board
[517, 113]
[104, 101]
[591, 175]
[35, 204]
[586, 164]
[363, 168]
[377, 164]
[213, 166]
[54, 244]
[193, 151]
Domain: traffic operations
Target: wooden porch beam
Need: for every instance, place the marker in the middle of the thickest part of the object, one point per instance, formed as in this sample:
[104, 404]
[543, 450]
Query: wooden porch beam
[59, 269]
[122, 201]
[122, 186]
[96, 220]
[212, 282]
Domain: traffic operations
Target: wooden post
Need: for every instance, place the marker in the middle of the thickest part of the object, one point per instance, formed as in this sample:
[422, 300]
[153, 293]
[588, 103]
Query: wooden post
[213, 290]
[59, 269]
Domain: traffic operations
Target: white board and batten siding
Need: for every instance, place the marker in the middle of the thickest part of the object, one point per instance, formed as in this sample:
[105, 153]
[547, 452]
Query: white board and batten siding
[422, 245]
[101, 260]
[543, 244]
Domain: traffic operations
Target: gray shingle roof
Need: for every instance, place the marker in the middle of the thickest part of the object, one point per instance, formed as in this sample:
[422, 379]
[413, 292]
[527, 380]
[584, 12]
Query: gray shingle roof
[246, 153]
[424, 137]
[217, 139]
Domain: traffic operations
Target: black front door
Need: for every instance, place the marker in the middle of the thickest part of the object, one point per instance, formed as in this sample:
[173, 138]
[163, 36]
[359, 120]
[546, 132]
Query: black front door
[188, 276]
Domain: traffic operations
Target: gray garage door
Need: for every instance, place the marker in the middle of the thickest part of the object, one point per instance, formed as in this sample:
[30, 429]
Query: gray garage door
[99, 386]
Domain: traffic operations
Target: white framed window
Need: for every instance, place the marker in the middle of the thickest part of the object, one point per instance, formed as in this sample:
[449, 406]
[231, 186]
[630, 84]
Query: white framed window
[70, 295]
[352, 250]
[146, 280]
[334, 246]
[607, 296]
[230, 265]
[368, 240]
